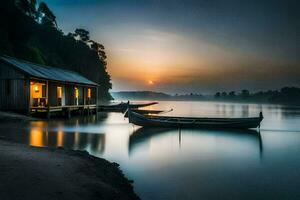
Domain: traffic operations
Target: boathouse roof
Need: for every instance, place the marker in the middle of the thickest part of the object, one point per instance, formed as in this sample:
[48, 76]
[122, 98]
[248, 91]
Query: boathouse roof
[46, 72]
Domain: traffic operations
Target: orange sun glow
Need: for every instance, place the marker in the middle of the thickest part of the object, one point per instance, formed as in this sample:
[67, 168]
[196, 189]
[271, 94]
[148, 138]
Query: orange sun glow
[150, 82]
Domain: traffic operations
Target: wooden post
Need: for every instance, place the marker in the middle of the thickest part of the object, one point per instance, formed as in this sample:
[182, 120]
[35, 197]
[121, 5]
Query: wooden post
[47, 93]
[84, 96]
[68, 113]
[48, 112]
[84, 100]
[27, 81]
[97, 99]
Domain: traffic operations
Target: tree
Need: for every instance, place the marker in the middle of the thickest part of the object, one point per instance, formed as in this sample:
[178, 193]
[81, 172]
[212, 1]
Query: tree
[28, 7]
[290, 91]
[232, 94]
[46, 15]
[224, 94]
[82, 34]
[217, 95]
[36, 40]
[245, 94]
[99, 49]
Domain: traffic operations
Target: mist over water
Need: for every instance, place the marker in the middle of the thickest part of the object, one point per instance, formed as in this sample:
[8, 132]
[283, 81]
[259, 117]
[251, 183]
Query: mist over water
[187, 163]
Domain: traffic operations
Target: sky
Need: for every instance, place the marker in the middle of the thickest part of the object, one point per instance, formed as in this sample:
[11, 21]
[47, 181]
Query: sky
[199, 46]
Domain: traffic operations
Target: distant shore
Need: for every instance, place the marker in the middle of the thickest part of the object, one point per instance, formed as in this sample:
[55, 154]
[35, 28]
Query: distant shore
[284, 96]
[45, 173]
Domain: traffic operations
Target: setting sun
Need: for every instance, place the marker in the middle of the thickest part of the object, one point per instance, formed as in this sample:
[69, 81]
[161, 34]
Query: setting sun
[150, 82]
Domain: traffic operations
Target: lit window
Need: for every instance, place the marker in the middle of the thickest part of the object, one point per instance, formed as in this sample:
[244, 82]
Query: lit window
[89, 94]
[59, 92]
[76, 92]
[36, 89]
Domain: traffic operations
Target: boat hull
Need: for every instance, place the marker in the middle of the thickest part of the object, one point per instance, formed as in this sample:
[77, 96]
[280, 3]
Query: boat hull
[181, 122]
[145, 112]
[122, 107]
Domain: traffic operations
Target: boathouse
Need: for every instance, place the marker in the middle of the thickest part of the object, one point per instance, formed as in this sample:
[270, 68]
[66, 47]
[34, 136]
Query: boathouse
[31, 88]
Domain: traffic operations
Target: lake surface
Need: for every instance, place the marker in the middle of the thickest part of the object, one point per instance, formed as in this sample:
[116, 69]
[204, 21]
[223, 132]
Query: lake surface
[186, 164]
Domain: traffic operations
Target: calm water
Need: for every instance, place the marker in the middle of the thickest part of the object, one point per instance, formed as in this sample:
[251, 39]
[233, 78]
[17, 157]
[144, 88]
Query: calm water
[187, 164]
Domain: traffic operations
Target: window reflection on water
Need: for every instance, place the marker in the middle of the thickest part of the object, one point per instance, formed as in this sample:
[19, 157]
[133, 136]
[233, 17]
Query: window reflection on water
[42, 134]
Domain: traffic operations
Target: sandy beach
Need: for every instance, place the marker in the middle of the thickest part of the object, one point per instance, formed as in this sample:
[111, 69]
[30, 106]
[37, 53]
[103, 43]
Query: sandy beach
[44, 173]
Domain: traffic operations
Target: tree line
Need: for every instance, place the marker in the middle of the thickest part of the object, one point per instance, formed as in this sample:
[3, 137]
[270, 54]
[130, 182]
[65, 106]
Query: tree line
[29, 31]
[288, 95]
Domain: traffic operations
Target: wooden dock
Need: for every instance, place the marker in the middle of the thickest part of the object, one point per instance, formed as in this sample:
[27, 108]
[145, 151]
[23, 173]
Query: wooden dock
[64, 110]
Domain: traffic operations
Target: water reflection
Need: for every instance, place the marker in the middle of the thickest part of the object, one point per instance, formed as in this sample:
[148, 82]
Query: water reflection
[59, 133]
[64, 134]
[36, 138]
[187, 163]
[94, 142]
[245, 110]
[144, 135]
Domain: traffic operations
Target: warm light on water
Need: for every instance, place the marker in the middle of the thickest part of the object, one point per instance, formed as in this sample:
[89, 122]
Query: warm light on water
[36, 138]
[187, 164]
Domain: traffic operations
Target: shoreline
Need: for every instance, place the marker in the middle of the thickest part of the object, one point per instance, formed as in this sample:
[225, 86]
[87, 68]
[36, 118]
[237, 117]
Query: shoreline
[13, 116]
[50, 173]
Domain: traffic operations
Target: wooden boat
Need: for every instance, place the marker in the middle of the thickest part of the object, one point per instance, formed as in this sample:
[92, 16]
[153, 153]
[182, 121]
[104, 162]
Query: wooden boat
[139, 105]
[193, 122]
[144, 112]
[147, 112]
[122, 107]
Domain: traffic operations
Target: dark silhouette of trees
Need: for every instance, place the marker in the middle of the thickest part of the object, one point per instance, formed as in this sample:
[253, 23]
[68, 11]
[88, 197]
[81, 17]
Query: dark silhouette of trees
[224, 94]
[99, 48]
[218, 95]
[82, 37]
[286, 95]
[245, 94]
[232, 94]
[82, 34]
[46, 15]
[37, 39]
[28, 7]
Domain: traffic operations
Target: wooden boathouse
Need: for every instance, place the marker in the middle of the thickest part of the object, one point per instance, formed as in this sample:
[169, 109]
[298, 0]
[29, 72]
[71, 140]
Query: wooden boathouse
[31, 88]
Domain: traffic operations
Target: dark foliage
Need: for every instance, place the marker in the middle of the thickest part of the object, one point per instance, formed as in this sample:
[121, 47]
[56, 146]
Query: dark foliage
[287, 95]
[31, 33]
[46, 15]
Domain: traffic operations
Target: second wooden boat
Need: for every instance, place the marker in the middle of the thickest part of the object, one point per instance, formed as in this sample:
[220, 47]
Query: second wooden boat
[147, 112]
[122, 107]
[192, 122]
